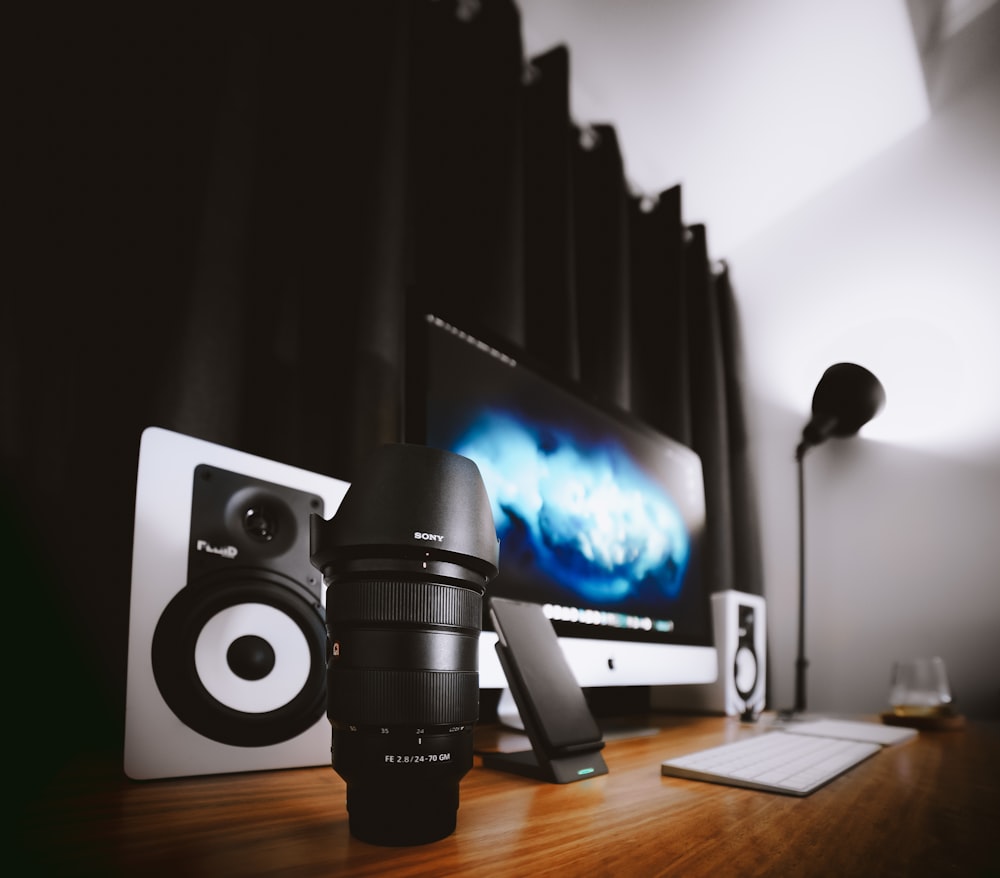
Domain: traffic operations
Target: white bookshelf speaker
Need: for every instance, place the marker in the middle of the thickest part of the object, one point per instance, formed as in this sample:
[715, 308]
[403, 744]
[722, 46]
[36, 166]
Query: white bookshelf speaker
[739, 625]
[227, 637]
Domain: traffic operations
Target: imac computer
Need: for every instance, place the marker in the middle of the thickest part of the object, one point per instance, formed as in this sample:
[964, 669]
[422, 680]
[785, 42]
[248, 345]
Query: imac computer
[600, 517]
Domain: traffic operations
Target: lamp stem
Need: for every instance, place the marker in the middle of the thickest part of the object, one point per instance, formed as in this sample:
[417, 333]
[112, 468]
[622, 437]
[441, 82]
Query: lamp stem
[801, 663]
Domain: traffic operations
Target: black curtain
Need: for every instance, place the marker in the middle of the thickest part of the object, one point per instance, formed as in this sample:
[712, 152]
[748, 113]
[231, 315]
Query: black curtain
[225, 212]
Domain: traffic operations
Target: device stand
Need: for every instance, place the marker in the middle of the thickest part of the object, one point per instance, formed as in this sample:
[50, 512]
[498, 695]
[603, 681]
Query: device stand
[575, 761]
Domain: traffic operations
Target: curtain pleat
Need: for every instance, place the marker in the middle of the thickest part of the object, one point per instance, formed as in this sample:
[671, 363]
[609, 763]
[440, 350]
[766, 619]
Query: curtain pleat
[465, 174]
[748, 574]
[660, 347]
[600, 211]
[233, 214]
[709, 411]
[348, 209]
[209, 357]
[549, 276]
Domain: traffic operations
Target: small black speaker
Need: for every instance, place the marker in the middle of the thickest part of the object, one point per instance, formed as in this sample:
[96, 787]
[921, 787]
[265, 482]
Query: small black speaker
[738, 621]
[227, 638]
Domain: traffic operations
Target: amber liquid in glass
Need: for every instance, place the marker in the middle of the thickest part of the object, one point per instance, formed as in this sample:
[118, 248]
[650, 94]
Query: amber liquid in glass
[921, 710]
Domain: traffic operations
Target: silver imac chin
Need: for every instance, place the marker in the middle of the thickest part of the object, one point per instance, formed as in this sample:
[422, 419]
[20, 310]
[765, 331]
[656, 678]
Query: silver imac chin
[615, 663]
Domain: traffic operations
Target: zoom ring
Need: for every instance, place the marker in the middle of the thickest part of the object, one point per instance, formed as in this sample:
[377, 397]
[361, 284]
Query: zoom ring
[402, 601]
[386, 698]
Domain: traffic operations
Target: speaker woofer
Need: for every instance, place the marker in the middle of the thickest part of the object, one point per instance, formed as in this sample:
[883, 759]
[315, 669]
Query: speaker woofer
[209, 658]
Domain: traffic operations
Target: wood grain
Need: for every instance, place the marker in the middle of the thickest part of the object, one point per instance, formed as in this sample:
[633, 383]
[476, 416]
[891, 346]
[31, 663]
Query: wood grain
[930, 806]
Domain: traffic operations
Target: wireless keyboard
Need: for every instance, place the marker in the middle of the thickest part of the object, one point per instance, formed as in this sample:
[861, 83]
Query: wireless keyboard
[777, 762]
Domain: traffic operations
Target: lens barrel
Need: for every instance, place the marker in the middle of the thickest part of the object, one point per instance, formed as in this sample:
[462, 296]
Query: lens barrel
[406, 560]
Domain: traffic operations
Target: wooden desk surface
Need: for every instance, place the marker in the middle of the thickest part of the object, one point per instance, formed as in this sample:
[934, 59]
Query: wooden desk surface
[927, 807]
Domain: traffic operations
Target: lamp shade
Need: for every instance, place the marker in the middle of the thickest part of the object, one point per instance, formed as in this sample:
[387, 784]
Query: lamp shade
[847, 397]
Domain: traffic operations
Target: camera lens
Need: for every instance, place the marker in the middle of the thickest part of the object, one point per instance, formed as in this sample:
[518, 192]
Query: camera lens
[406, 560]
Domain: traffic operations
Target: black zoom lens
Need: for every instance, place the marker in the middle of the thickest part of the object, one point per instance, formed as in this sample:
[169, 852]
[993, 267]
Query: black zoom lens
[406, 560]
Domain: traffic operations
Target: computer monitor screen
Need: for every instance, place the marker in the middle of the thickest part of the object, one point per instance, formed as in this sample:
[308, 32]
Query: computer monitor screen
[600, 517]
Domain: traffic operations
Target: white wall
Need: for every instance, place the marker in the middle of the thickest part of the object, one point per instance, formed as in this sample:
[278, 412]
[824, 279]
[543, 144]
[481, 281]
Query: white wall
[897, 266]
[753, 105]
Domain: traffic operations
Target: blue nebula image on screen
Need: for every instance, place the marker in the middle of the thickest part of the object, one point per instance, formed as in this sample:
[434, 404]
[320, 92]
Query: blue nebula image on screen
[586, 515]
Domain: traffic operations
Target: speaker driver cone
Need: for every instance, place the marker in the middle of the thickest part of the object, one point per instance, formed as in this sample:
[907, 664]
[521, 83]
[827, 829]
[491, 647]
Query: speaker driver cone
[241, 660]
[745, 672]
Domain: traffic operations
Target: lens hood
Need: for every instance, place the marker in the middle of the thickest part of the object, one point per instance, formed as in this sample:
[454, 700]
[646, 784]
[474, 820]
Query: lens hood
[409, 502]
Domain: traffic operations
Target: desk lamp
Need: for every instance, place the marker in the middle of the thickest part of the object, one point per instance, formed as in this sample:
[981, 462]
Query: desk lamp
[847, 397]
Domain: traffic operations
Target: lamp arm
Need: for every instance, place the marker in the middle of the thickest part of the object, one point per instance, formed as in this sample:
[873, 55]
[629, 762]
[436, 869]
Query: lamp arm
[818, 430]
[801, 663]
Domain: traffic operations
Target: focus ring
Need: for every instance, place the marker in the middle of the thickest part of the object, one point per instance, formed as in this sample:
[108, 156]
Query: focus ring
[413, 602]
[387, 697]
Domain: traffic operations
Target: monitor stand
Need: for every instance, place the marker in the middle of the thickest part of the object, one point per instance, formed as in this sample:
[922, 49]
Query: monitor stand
[507, 713]
[623, 728]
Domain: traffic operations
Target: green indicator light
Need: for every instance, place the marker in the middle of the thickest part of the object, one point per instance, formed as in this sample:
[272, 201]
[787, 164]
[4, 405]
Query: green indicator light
[586, 771]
